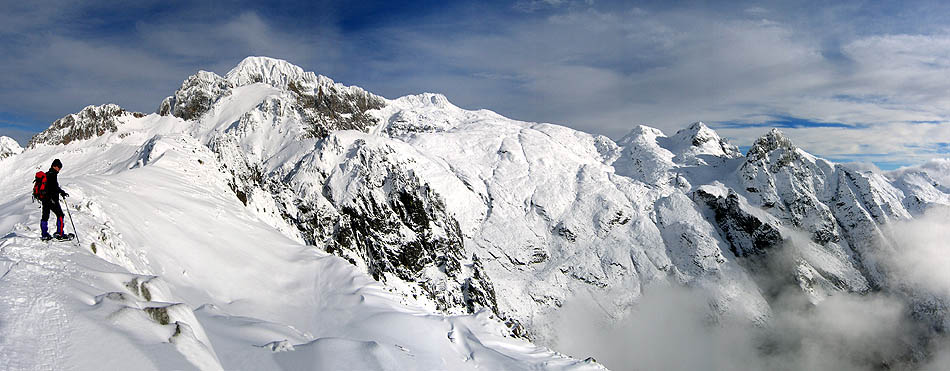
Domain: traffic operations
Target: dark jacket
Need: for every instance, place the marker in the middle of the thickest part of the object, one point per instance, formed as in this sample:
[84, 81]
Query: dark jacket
[52, 185]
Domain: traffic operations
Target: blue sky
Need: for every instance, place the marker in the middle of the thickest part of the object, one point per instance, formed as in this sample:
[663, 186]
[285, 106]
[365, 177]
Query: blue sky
[853, 81]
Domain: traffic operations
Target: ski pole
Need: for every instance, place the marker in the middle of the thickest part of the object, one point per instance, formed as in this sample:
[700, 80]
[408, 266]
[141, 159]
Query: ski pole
[71, 223]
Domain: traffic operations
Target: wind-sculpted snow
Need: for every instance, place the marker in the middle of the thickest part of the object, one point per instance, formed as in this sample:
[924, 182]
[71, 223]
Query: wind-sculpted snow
[456, 229]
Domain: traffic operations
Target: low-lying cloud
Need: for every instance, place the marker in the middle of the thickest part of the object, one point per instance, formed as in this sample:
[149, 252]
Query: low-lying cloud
[922, 252]
[672, 328]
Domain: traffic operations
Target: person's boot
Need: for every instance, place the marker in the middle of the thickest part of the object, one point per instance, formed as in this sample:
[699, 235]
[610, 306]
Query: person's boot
[44, 228]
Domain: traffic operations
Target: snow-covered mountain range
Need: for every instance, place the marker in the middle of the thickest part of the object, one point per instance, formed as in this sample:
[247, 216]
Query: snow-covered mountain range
[208, 229]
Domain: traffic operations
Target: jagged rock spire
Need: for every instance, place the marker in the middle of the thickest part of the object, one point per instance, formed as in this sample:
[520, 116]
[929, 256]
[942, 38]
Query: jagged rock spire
[771, 141]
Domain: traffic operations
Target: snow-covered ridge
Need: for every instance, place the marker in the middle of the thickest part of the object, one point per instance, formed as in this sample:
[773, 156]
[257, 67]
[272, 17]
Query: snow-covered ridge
[174, 272]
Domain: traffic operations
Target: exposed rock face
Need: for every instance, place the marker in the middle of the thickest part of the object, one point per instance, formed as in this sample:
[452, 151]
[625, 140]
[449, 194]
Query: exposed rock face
[791, 182]
[92, 121]
[352, 196]
[329, 107]
[747, 233]
[9, 147]
[196, 96]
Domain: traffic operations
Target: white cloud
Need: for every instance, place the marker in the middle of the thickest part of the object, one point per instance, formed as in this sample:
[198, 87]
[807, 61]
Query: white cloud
[602, 68]
[54, 73]
[671, 328]
[892, 143]
[923, 250]
[605, 72]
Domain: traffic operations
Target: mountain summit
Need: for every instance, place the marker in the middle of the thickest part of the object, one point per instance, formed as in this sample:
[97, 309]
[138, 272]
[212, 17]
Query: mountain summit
[271, 71]
[9, 147]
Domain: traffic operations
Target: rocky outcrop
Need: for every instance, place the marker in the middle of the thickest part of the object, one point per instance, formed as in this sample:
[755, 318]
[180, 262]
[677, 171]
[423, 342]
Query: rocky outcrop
[196, 96]
[384, 217]
[747, 233]
[329, 107]
[91, 122]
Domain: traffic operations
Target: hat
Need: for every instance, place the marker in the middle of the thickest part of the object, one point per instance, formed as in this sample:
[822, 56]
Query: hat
[57, 163]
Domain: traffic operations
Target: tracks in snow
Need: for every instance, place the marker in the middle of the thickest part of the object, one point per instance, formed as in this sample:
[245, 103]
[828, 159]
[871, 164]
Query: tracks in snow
[33, 319]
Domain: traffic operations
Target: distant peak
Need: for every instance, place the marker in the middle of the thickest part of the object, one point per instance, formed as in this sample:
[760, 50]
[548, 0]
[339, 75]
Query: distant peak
[698, 126]
[775, 133]
[697, 133]
[642, 131]
[272, 71]
[771, 141]
[108, 108]
[426, 99]
[263, 60]
[90, 122]
[699, 139]
[256, 62]
[9, 147]
[776, 137]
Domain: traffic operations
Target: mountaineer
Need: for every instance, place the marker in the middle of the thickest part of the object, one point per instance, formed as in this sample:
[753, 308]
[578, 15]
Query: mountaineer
[46, 189]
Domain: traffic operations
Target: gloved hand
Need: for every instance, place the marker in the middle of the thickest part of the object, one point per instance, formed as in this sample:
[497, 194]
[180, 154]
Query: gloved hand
[65, 195]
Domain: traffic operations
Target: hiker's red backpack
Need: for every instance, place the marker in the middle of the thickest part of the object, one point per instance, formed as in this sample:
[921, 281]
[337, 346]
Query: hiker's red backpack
[39, 186]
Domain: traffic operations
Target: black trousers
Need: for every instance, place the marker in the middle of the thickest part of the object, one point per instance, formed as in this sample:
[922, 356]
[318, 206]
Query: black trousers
[51, 204]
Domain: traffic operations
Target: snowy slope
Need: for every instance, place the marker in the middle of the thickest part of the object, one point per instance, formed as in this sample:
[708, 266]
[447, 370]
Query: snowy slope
[173, 272]
[450, 232]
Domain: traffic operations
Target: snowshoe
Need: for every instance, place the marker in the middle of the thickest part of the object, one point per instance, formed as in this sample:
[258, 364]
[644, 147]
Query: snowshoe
[64, 237]
[46, 237]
